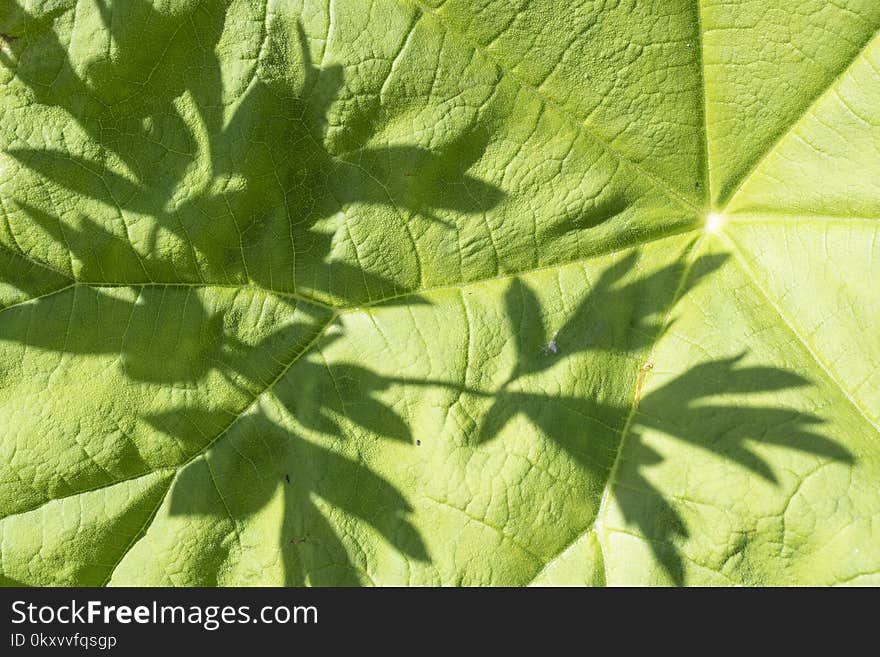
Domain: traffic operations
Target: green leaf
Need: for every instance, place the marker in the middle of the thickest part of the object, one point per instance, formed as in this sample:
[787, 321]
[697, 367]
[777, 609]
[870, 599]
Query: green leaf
[405, 292]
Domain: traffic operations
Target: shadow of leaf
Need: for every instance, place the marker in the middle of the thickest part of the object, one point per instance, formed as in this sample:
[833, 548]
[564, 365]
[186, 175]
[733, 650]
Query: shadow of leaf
[645, 506]
[21, 279]
[161, 335]
[259, 461]
[253, 195]
[616, 314]
[581, 221]
[684, 397]
[271, 209]
[358, 383]
[688, 399]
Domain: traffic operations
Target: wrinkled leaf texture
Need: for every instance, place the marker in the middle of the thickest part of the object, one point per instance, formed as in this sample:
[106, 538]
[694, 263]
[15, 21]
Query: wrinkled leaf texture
[439, 292]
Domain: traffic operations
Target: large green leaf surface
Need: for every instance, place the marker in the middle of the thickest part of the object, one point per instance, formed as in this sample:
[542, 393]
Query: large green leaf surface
[469, 292]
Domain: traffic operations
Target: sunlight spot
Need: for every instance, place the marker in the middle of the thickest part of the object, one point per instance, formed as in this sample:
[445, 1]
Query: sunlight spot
[714, 222]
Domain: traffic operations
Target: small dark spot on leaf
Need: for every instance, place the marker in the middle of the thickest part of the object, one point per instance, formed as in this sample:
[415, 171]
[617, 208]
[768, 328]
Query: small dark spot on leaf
[287, 478]
[418, 442]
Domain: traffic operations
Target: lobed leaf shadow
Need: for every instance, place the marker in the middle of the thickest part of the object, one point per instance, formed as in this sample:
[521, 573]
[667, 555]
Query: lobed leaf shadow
[267, 464]
[182, 342]
[614, 315]
[254, 219]
[685, 408]
[257, 216]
